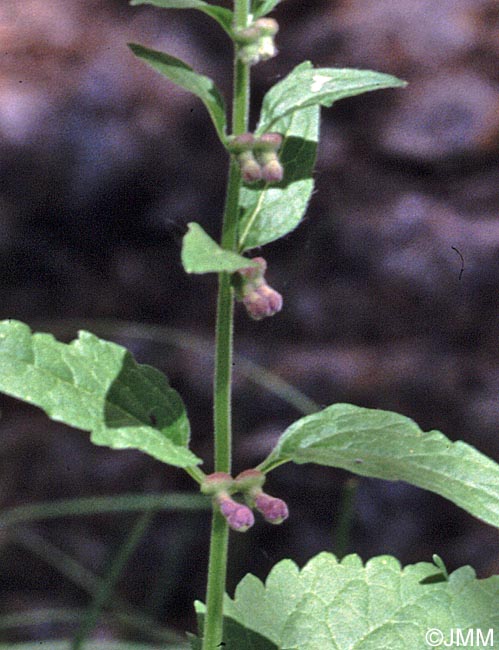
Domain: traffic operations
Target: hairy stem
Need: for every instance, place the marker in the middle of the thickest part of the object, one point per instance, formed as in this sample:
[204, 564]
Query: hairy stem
[217, 564]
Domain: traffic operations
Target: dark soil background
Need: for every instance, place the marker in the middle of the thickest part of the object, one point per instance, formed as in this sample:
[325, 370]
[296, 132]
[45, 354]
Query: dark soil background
[102, 162]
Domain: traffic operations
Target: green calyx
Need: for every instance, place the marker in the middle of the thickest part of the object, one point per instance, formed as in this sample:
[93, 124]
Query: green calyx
[261, 28]
[217, 483]
[221, 483]
[249, 480]
[257, 157]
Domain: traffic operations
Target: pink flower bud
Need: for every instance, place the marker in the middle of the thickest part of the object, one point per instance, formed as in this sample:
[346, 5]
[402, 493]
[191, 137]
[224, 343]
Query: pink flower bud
[274, 510]
[250, 168]
[272, 172]
[262, 302]
[253, 291]
[238, 516]
[271, 168]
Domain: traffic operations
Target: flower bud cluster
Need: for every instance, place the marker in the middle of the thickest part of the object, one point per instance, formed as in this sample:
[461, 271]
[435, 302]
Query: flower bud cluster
[254, 292]
[221, 486]
[256, 42]
[250, 482]
[257, 157]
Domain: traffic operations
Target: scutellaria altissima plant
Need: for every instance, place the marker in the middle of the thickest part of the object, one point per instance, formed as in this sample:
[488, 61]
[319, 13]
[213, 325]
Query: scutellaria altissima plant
[97, 386]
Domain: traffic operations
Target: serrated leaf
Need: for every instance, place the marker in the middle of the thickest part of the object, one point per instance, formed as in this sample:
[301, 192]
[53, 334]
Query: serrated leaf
[96, 386]
[263, 7]
[307, 86]
[269, 212]
[331, 605]
[220, 14]
[185, 77]
[386, 445]
[201, 254]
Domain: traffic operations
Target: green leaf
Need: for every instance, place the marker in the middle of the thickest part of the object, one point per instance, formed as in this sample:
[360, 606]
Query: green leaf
[269, 212]
[331, 605]
[307, 86]
[291, 108]
[390, 446]
[263, 7]
[185, 77]
[200, 254]
[96, 386]
[221, 15]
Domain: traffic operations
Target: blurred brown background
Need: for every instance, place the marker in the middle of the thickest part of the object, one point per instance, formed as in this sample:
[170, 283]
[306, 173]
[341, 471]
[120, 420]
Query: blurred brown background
[103, 162]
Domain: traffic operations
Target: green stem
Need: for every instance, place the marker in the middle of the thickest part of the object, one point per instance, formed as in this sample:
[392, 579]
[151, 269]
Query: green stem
[219, 541]
[240, 107]
[346, 515]
[223, 375]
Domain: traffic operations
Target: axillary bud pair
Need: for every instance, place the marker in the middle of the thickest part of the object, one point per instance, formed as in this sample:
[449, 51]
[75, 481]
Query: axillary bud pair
[221, 486]
[258, 157]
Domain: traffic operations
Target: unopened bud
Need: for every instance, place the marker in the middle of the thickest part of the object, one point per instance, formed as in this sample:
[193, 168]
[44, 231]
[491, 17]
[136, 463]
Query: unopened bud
[253, 291]
[263, 302]
[274, 510]
[266, 48]
[251, 172]
[238, 516]
[266, 154]
[257, 41]
[272, 171]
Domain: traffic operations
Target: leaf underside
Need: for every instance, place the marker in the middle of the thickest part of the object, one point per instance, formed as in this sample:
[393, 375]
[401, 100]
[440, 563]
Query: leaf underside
[96, 386]
[201, 254]
[386, 445]
[331, 605]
